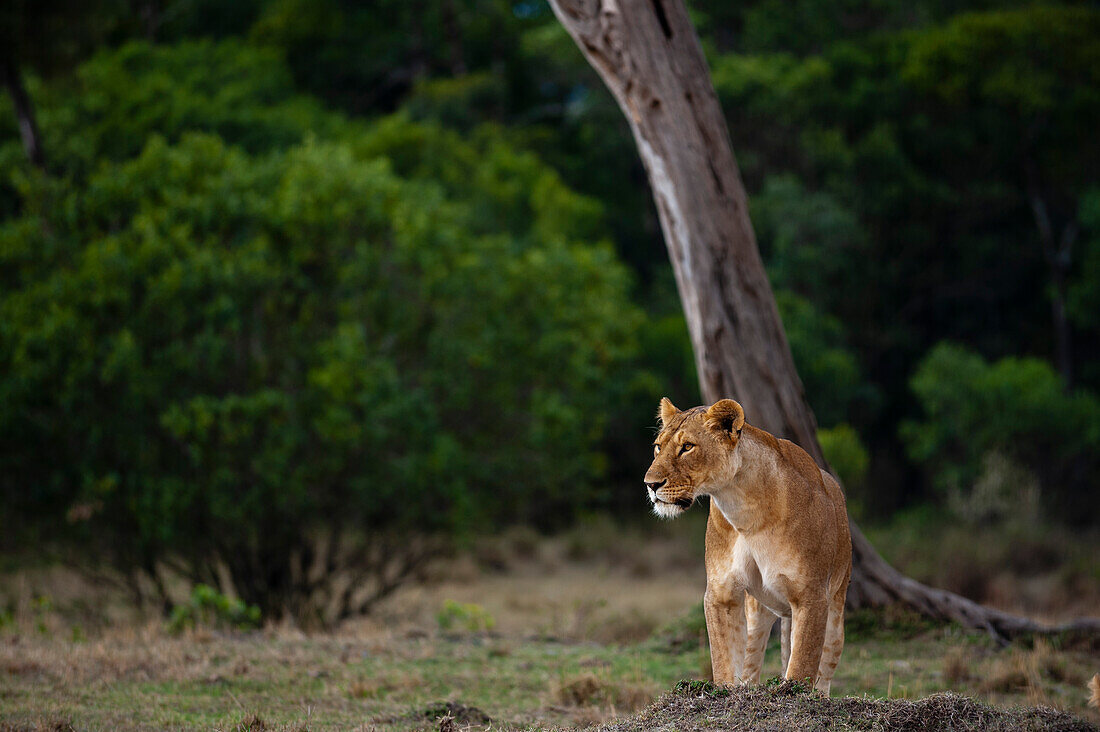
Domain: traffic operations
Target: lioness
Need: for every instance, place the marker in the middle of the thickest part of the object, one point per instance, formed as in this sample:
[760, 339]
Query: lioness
[778, 531]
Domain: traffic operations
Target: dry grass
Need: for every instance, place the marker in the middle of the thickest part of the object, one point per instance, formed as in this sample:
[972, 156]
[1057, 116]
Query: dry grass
[573, 642]
[41, 725]
[1043, 571]
[594, 698]
[375, 688]
[589, 689]
[1028, 672]
[957, 667]
[251, 723]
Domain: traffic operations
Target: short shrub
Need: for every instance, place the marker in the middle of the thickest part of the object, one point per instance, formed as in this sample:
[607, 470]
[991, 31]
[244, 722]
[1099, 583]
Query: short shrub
[464, 616]
[848, 458]
[1017, 407]
[208, 608]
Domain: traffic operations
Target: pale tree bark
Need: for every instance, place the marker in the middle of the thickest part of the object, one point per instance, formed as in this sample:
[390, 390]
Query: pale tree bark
[648, 54]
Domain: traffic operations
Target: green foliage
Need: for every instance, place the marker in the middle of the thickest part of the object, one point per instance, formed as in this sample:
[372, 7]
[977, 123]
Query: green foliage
[507, 189]
[846, 455]
[699, 687]
[682, 632]
[324, 44]
[891, 622]
[669, 362]
[41, 607]
[1015, 406]
[228, 347]
[465, 615]
[208, 608]
[458, 103]
[228, 305]
[829, 371]
[997, 57]
[1026, 83]
[808, 26]
[789, 687]
[205, 19]
[896, 175]
[119, 98]
[811, 242]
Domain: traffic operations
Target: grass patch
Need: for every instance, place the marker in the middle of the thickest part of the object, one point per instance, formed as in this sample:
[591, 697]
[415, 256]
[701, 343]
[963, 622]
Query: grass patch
[293, 682]
[693, 687]
[540, 642]
[787, 687]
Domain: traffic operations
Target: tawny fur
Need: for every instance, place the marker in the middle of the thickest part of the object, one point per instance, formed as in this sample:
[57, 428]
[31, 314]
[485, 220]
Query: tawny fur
[777, 540]
[1094, 687]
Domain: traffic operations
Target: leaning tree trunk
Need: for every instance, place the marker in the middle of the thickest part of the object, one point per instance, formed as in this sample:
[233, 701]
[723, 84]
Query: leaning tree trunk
[647, 53]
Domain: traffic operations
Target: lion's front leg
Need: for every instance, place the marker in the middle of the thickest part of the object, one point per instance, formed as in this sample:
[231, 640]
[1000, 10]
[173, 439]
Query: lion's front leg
[724, 606]
[808, 621]
[759, 622]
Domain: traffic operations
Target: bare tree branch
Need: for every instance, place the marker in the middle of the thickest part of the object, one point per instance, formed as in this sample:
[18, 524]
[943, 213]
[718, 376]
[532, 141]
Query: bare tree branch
[24, 112]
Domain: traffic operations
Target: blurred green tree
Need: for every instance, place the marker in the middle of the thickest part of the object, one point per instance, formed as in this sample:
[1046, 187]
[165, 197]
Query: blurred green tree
[110, 106]
[47, 36]
[924, 165]
[292, 366]
[365, 58]
[884, 144]
[1025, 85]
[1016, 408]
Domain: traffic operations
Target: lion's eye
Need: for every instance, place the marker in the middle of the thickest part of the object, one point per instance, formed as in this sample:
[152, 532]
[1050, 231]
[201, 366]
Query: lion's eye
[686, 447]
[656, 449]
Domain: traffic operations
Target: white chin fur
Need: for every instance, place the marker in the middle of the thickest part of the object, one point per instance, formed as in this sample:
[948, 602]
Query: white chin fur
[667, 510]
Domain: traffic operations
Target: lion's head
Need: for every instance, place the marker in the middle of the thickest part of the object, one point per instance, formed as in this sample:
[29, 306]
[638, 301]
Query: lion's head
[692, 449]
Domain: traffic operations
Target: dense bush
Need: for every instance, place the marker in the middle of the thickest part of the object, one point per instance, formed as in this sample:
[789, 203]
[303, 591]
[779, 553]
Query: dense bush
[829, 371]
[1016, 407]
[208, 608]
[847, 457]
[218, 358]
[922, 185]
[301, 314]
[116, 100]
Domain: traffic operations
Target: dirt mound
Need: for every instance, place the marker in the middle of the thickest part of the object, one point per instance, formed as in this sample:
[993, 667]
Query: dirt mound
[696, 705]
[451, 714]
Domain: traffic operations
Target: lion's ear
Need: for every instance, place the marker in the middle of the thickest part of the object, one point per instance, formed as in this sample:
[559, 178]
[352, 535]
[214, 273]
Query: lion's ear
[666, 410]
[726, 416]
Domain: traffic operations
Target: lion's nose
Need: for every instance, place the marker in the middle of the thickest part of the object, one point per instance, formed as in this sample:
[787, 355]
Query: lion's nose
[655, 486]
